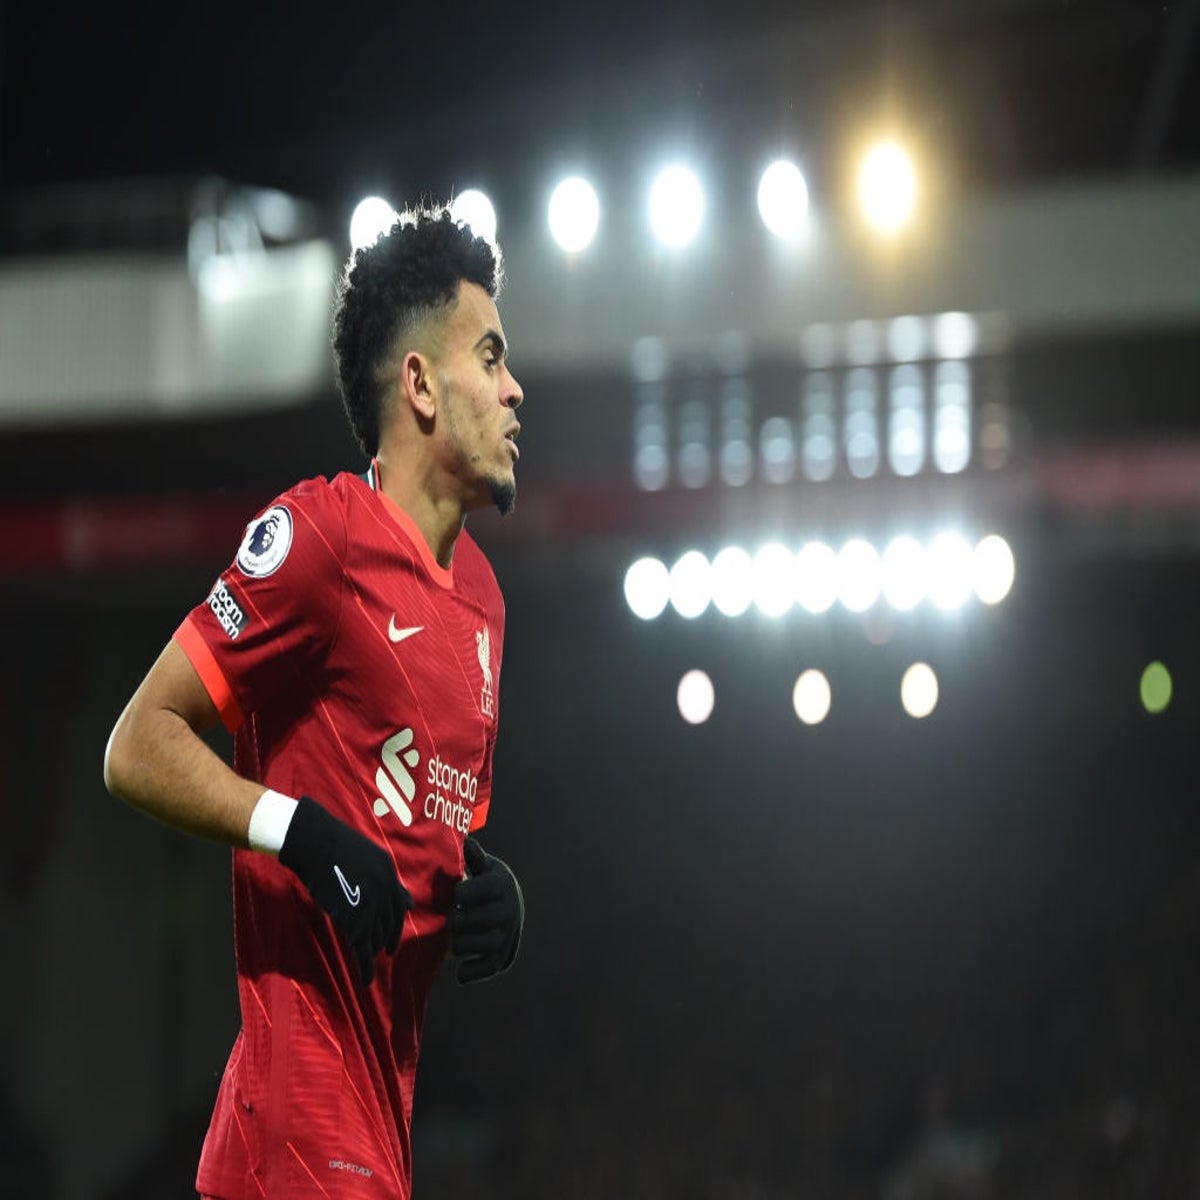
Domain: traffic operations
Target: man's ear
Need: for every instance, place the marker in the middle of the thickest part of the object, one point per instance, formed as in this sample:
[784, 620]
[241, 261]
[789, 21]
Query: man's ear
[418, 383]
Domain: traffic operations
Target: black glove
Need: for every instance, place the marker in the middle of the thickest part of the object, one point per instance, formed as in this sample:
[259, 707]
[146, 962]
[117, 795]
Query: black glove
[486, 919]
[351, 878]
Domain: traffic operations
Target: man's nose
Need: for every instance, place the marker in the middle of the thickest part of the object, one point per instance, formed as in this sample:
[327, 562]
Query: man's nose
[514, 396]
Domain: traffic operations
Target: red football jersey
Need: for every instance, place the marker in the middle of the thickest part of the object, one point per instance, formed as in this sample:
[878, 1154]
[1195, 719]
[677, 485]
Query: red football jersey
[352, 668]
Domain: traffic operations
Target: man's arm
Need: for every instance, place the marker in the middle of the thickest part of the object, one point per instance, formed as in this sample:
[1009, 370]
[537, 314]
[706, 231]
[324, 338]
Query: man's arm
[157, 762]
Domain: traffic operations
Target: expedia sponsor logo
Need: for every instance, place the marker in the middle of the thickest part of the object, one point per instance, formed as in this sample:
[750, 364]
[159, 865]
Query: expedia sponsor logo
[226, 609]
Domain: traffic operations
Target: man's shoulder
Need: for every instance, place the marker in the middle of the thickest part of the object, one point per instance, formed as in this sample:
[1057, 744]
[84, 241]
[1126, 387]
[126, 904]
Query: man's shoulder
[323, 492]
[328, 504]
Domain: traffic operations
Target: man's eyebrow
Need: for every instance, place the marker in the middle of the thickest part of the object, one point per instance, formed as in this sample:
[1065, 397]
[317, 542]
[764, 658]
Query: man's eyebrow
[497, 341]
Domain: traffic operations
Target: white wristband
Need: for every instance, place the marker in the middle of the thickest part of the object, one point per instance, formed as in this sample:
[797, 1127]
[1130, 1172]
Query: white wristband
[270, 820]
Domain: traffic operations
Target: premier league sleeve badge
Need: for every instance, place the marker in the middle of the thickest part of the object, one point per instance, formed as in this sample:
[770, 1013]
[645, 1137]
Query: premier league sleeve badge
[266, 543]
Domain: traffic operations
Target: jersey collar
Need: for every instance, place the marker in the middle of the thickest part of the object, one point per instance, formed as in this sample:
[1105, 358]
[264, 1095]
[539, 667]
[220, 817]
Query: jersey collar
[443, 576]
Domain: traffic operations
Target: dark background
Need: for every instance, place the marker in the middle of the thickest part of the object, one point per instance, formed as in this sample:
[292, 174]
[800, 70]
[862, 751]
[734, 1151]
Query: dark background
[877, 957]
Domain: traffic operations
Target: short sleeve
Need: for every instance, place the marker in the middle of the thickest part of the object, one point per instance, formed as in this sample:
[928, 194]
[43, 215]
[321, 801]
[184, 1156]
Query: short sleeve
[271, 616]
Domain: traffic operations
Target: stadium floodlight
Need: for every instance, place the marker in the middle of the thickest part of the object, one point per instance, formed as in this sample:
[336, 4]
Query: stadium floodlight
[904, 573]
[647, 588]
[676, 206]
[473, 208]
[816, 577]
[783, 199]
[949, 564]
[993, 569]
[574, 214]
[695, 697]
[774, 580]
[859, 575]
[691, 584]
[887, 187]
[732, 581]
[919, 690]
[372, 217]
[811, 697]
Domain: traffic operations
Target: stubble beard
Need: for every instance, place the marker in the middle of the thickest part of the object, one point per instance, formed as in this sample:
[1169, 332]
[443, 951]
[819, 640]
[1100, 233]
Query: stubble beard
[504, 495]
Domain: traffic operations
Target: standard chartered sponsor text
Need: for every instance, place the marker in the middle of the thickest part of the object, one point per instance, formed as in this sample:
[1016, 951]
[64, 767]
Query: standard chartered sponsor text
[453, 794]
[453, 789]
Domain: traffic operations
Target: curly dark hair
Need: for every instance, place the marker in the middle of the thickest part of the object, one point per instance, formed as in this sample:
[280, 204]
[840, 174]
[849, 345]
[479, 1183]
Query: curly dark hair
[389, 289]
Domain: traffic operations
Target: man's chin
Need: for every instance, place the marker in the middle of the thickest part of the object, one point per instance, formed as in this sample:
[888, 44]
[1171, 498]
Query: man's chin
[504, 495]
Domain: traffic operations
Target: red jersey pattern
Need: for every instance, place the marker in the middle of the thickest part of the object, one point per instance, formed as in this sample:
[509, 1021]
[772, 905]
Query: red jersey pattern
[351, 668]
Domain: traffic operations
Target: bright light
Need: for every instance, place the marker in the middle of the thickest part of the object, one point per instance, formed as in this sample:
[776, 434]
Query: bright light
[676, 206]
[887, 187]
[950, 565]
[811, 697]
[1156, 687]
[816, 577]
[647, 588]
[732, 581]
[993, 569]
[473, 208]
[372, 218]
[783, 199]
[695, 697]
[955, 335]
[919, 690]
[774, 580]
[859, 574]
[574, 214]
[904, 573]
[691, 584]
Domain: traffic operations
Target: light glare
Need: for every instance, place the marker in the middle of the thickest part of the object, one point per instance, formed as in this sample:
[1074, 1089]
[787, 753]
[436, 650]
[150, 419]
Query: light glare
[887, 187]
[1156, 687]
[859, 573]
[950, 571]
[993, 569]
[783, 199]
[647, 588]
[774, 580]
[732, 581]
[473, 208]
[811, 697]
[371, 218]
[816, 577]
[574, 214]
[695, 697]
[919, 690]
[691, 584]
[904, 573]
[676, 206]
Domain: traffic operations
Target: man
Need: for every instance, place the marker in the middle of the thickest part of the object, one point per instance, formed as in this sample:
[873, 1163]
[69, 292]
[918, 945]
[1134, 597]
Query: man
[353, 648]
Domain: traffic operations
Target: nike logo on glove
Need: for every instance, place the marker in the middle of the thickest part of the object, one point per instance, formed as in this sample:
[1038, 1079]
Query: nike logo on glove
[353, 894]
[398, 635]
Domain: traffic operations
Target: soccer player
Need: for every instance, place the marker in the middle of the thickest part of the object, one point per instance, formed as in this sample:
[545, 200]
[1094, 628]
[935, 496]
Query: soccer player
[353, 649]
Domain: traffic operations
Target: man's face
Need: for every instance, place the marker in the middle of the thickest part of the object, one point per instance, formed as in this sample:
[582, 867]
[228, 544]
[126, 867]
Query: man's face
[477, 421]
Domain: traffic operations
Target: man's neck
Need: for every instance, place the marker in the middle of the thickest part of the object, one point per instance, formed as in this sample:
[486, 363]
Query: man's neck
[440, 521]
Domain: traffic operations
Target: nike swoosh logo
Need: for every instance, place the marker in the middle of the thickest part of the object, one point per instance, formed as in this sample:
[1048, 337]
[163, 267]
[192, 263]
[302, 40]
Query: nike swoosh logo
[353, 894]
[398, 635]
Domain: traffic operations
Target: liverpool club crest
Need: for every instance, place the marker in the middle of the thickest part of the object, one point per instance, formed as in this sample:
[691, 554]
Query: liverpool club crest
[487, 698]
